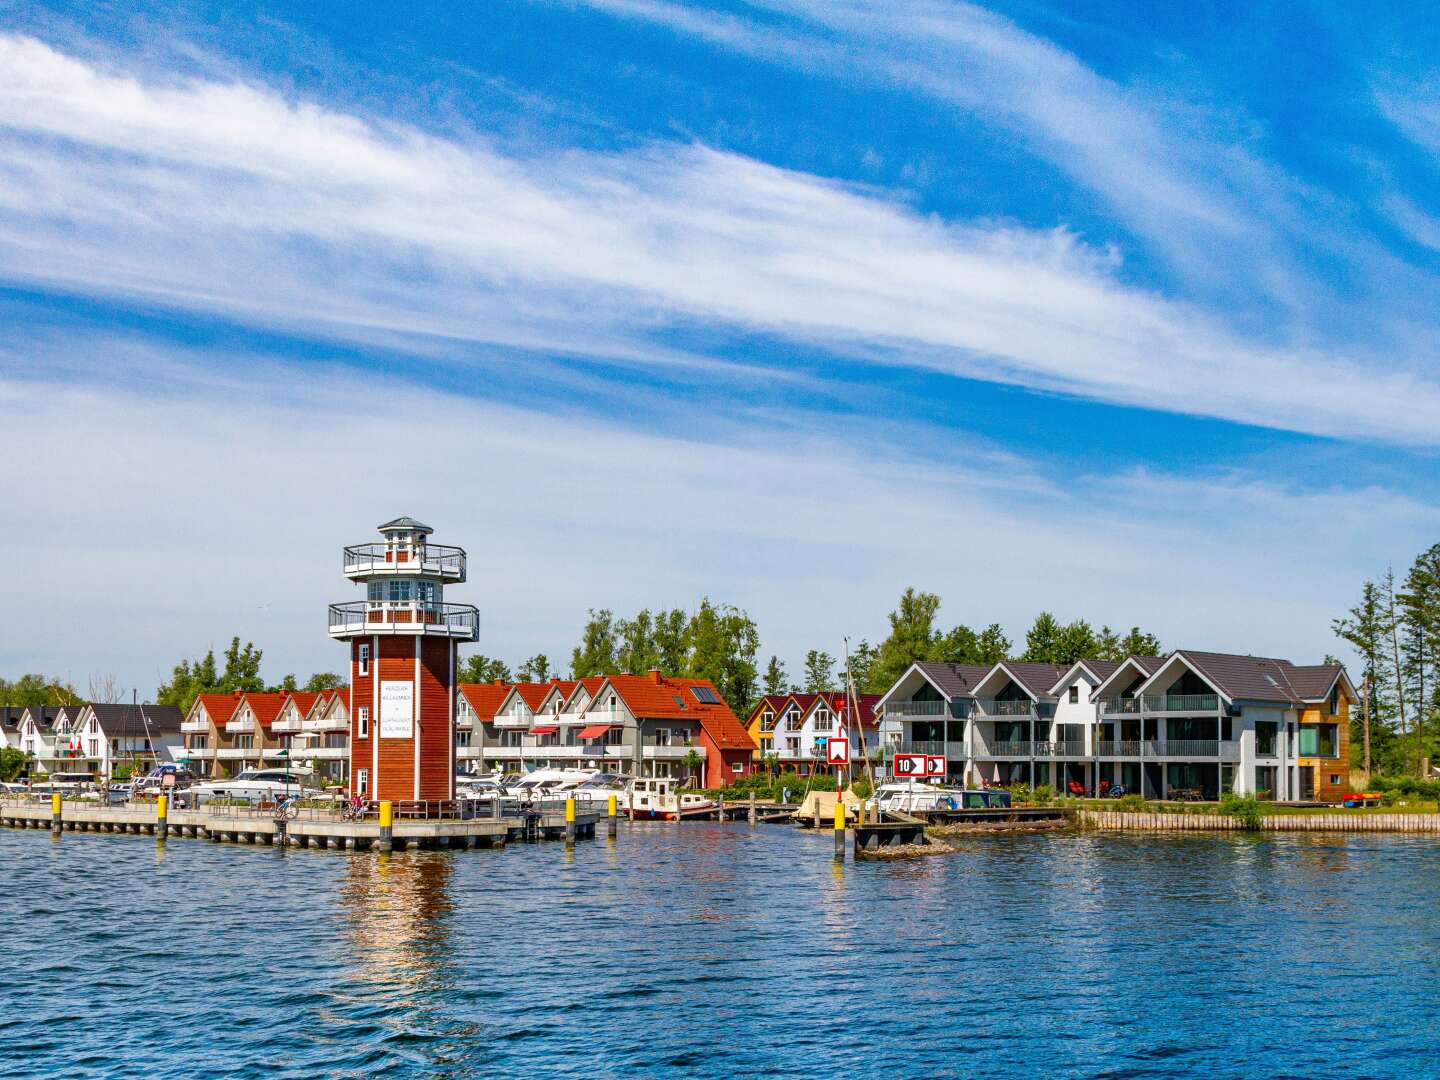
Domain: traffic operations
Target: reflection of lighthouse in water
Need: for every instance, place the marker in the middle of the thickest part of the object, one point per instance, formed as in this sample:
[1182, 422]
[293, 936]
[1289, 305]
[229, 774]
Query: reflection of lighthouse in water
[403, 638]
[397, 910]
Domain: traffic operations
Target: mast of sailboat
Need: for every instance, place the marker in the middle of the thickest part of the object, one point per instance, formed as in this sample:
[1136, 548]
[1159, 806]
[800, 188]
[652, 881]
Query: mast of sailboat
[852, 703]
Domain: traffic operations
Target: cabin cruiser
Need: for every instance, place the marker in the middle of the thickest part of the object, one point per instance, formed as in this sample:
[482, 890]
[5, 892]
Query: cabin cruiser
[912, 797]
[257, 785]
[658, 798]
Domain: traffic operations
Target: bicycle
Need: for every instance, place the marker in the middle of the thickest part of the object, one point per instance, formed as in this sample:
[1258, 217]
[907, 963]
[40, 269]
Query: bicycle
[353, 810]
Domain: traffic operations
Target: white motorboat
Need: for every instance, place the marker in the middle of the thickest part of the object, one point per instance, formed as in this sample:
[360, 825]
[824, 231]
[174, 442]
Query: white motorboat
[658, 799]
[257, 785]
[916, 797]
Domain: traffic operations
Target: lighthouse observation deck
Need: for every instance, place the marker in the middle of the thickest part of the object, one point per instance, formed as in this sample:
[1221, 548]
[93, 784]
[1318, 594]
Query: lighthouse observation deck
[363, 617]
[365, 561]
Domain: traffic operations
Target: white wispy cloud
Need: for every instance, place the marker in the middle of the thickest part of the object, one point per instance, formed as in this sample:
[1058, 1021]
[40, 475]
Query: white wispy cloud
[215, 501]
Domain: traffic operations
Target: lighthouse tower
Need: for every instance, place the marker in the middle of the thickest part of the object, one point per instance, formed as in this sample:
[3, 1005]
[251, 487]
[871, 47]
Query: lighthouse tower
[403, 638]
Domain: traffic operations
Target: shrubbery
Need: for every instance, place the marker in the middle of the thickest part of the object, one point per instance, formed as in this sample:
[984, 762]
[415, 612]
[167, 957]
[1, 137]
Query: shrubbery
[1132, 804]
[1247, 808]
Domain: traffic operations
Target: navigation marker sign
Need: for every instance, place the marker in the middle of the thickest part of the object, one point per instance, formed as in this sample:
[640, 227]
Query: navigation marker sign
[910, 766]
[837, 751]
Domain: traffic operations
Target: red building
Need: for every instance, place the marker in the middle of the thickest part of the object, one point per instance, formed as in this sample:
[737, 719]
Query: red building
[403, 638]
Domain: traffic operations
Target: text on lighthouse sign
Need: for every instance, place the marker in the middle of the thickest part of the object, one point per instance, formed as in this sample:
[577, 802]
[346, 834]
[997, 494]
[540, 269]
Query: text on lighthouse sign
[397, 709]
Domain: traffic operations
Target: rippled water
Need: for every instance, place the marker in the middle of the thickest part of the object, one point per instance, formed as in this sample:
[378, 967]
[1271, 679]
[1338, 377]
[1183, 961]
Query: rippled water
[721, 950]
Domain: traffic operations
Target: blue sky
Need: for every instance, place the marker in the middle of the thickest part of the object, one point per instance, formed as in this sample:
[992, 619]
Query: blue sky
[1121, 311]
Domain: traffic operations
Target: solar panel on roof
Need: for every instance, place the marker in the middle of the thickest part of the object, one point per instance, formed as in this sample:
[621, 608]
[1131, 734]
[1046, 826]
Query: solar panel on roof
[705, 694]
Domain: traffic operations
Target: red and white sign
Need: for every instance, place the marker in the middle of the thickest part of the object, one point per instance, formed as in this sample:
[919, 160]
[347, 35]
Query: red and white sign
[837, 751]
[918, 766]
[911, 766]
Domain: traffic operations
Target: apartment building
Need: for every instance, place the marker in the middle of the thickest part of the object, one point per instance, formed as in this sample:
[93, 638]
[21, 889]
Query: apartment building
[1191, 725]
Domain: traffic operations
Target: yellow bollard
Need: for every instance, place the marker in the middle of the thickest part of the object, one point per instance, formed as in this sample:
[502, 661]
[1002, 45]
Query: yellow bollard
[387, 825]
[612, 809]
[569, 821]
[162, 811]
[55, 811]
[839, 827]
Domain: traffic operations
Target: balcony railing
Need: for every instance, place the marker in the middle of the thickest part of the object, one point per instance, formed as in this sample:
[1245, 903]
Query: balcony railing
[1182, 702]
[1009, 748]
[917, 708]
[1118, 748]
[1170, 748]
[924, 746]
[360, 616]
[1066, 748]
[1119, 705]
[407, 559]
[992, 707]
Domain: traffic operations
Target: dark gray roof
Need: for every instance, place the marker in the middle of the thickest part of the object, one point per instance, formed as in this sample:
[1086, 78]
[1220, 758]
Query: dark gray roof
[1036, 678]
[406, 523]
[1263, 678]
[1147, 664]
[954, 680]
[123, 721]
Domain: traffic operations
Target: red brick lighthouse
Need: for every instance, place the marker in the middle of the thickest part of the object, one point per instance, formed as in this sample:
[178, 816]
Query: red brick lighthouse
[403, 638]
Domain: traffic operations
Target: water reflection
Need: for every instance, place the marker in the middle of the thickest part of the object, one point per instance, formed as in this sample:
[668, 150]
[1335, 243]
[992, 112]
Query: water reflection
[398, 918]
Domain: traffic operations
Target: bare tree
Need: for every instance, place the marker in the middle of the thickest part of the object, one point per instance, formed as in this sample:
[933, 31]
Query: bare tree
[106, 689]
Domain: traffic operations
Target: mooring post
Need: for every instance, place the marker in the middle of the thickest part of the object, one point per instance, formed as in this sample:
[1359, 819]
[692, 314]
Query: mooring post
[839, 828]
[612, 815]
[55, 821]
[751, 815]
[162, 817]
[387, 825]
[570, 821]
[495, 808]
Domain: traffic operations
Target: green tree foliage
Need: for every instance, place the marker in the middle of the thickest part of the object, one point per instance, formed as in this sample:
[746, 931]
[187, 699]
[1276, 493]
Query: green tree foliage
[38, 690]
[992, 646]
[638, 651]
[862, 665]
[324, 680]
[1043, 640]
[819, 672]
[775, 678]
[12, 760]
[482, 669]
[723, 641]
[912, 637]
[596, 653]
[1372, 726]
[191, 678]
[536, 669]
[671, 640]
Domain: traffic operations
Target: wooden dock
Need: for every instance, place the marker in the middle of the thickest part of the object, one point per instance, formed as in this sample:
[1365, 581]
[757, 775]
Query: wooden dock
[318, 829]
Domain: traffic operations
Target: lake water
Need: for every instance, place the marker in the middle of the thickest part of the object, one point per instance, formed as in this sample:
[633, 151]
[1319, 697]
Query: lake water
[722, 950]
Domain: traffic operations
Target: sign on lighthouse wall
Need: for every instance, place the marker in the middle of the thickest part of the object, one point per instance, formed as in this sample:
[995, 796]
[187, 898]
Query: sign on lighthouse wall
[397, 709]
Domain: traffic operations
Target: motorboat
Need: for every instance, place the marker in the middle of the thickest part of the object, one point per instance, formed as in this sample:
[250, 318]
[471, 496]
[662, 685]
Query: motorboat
[257, 785]
[914, 797]
[659, 799]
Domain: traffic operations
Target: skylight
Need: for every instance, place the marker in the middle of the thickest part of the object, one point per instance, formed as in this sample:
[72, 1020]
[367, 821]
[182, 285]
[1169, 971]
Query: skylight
[678, 700]
[705, 695]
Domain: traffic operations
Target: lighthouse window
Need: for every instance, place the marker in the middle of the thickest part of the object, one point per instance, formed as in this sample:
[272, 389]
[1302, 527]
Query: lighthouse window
[364, 659]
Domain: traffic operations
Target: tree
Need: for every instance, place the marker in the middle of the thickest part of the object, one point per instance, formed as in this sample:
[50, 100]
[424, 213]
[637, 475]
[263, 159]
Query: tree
[912, 637]
[993, 646]
[36, 689]
[1392, 622]
[638, 652]
[775, 680]
[105, 689]
[1139, 643]
[670, 640]
[819, 672]
[723, 641]
[536, 669]
[482, 669]
[960, 646]
[862, 666]
[286, 685]
[324, 680]
[242, 667]
[12, 763]
[595, 655]
[1043, 640]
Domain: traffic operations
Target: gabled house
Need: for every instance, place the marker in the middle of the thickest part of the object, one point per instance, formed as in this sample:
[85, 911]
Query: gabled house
[805, 723]
[37, 736]
[326, 730]
[251, 727]
[479, 744]
[927, 712]
[761, 723]
[205, 737]
[653, 723]
[141, 735]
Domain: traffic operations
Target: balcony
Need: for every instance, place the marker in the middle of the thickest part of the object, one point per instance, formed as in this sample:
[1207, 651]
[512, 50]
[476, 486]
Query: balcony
[327, 723]
[197, 753]
[237, 753]
[240, 725]
[992, 707]
[195, 727]
[676, 752]
[1182, 703]
[1125, 748]
[361, 617]
[917, 708]
[1007, 748]
[375, 560]
[1188, 749]
[281, 727]
[933, 747]
[1120, 706]
[514, 720]
[1066, 749]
